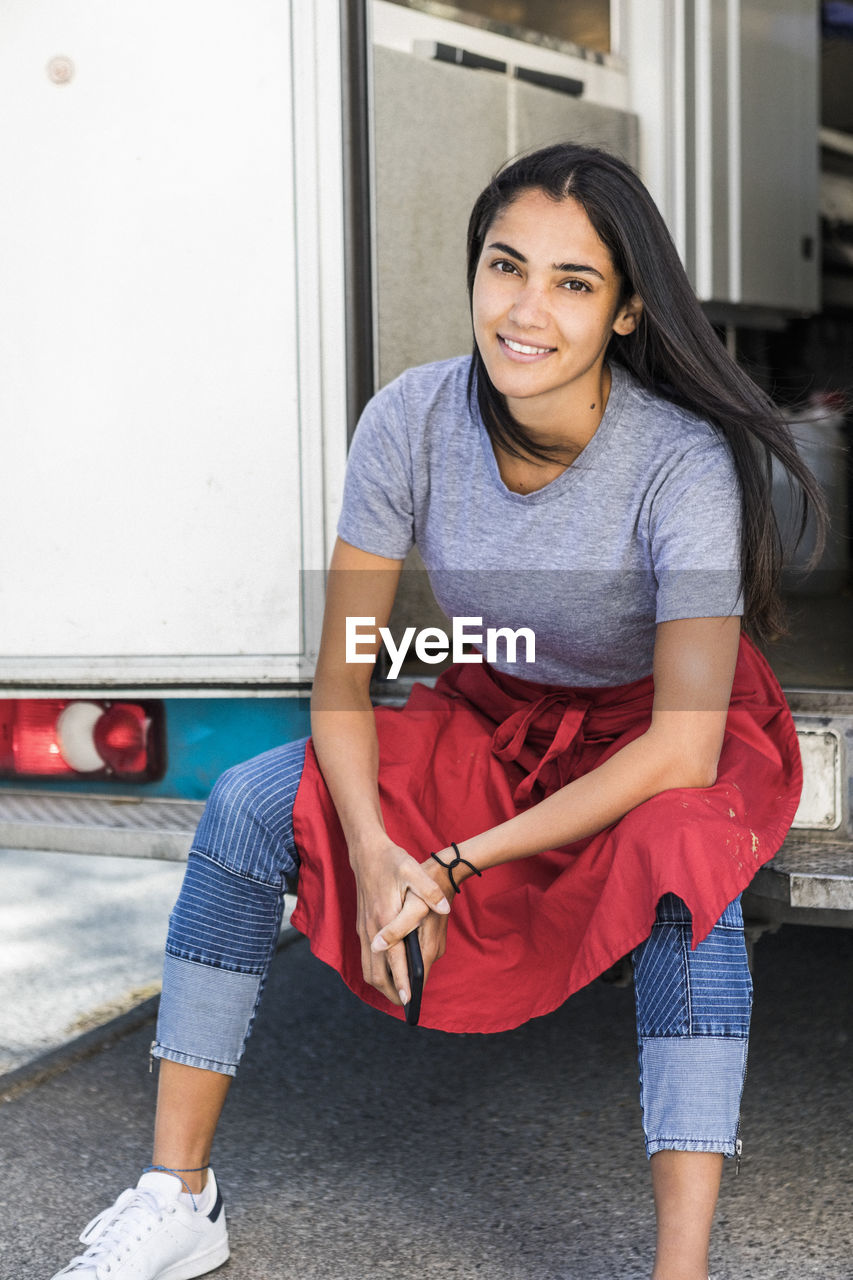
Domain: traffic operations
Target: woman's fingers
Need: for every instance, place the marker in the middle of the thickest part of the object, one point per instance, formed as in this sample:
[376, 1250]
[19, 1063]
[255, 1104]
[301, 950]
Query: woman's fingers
[423, 884]
[412, 912]
[386, 959]
[422, 895]
[433, 934]
[402, 892]
[433, 938]
[387, 972]
[399, 966]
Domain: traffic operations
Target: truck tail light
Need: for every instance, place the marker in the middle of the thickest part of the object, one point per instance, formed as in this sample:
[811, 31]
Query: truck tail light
[81, 738]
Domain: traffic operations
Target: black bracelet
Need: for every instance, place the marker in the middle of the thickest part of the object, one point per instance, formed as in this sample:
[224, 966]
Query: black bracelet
[448, 866]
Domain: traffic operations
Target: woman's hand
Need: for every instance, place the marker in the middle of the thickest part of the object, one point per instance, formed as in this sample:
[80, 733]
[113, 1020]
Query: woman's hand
[415, 914]
[386, 879]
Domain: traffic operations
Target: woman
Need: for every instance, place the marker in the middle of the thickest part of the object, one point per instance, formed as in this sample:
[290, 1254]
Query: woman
[597, 473]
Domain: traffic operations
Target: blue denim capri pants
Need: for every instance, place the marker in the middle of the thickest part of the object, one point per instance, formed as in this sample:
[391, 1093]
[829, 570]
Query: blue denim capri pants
[693, 1006]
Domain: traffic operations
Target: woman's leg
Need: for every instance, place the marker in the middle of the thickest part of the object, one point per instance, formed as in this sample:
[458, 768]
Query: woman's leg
[693, 1011]
[189, 1103]
[686, 1185]
[222, 936]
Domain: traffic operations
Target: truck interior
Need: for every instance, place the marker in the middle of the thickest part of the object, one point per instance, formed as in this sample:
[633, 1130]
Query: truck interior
[804, 361]
[809, 362]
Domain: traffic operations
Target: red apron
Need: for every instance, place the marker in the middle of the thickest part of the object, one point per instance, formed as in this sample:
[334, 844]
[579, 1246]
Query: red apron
[468, 754]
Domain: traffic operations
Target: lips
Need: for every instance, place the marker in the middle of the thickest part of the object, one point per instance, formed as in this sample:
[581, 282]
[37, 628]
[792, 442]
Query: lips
[523, 350]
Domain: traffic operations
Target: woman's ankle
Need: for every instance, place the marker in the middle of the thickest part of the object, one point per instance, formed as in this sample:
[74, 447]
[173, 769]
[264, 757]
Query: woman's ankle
[193, 1178]
[189, 1101]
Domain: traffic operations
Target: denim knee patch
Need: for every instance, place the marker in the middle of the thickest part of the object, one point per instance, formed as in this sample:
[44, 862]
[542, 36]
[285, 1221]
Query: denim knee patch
[205, 1015]
[690, 1090]
[681, 992]
[223, 919]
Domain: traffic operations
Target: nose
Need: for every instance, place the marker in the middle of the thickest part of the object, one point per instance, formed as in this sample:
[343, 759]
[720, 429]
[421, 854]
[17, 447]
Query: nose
[528, 309]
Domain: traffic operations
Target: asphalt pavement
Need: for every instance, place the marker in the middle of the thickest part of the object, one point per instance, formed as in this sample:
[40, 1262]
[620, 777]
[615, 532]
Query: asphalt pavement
[353, 1146]
[81, 942]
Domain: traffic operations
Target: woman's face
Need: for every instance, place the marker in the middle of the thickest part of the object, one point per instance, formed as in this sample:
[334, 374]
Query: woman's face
[546, 301]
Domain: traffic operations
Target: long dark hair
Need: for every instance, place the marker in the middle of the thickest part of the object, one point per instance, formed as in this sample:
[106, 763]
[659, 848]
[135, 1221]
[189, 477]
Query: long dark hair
[673, 351]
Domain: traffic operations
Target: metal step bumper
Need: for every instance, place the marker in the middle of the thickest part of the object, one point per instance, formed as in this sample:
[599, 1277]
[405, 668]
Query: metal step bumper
[809, 875]
[108, 825]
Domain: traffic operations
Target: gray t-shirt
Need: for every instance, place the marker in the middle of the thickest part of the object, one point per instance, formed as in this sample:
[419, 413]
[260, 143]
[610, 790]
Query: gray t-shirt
[642, 528]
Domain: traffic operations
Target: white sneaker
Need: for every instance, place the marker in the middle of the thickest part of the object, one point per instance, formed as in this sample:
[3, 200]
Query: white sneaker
[151, 1234]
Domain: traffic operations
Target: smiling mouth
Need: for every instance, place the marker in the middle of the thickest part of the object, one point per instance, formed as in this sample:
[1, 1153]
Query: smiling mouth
[523, 349]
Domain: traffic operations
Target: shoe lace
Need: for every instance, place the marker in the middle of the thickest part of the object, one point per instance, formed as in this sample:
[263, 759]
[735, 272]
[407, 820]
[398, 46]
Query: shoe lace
[111, 1232]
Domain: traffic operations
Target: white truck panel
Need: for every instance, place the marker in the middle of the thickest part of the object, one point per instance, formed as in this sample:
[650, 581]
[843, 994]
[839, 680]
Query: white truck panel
[151, 509]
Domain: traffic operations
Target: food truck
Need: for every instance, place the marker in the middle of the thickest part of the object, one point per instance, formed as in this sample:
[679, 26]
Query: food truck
[223, 226]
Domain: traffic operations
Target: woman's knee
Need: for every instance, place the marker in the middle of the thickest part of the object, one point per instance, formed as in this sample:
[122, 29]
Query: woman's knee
[247, 824]
[687, 991]
[223, 919]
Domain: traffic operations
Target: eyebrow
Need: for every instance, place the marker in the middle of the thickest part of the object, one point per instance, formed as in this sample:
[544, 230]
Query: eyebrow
[575, 267]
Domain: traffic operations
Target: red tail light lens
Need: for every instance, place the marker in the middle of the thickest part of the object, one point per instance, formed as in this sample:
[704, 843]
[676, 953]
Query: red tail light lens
[35, 747]
[78, 738]
[121, 737]
[7, 724]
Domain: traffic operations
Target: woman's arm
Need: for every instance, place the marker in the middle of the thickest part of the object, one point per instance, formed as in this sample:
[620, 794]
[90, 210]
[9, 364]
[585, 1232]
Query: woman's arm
[694, 663]
[344, 737]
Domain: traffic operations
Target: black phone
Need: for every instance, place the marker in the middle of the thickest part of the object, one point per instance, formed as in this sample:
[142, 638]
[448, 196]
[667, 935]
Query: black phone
[416, 977]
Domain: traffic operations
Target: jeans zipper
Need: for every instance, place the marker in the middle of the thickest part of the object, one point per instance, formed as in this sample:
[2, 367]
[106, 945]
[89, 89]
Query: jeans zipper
[738, 1139]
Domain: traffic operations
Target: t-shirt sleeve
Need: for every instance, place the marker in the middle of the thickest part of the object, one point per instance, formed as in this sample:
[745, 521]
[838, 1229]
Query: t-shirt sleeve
[377, 514]
[695, 537]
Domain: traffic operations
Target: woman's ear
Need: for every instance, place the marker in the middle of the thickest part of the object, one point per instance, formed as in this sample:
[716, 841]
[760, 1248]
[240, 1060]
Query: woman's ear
[628, 316]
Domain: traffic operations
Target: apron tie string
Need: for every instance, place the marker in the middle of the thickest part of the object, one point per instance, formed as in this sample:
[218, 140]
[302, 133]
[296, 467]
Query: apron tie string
[553, 767]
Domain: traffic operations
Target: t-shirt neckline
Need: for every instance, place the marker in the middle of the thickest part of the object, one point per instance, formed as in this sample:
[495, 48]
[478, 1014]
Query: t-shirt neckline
[619, 380]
